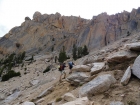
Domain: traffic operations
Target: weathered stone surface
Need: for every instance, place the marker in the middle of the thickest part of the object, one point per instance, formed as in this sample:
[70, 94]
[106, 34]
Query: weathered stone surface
[81, 68]
[126, 76]
[117, 103]
[28, 103]
[68, 97]
[46, 92]
[120, 56]
[136, 67]
[77, 78]
[97, 67]
[79, 101]
[133, 46]
[98, 85]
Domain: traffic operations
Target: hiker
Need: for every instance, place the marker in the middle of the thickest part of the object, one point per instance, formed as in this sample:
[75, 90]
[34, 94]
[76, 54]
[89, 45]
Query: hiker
[61, 69]
[70, 66]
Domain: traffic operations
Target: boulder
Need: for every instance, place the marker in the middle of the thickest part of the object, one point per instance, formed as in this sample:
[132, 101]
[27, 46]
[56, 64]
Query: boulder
[97, 67]
[117, 103]
[46, 92]
[120, 56]
[79, 101]
[82, 68]
[126, 76]
[77, 78]
[136, 67]
[133, 46]
[98, 85]
[28, 103]
[68, 97]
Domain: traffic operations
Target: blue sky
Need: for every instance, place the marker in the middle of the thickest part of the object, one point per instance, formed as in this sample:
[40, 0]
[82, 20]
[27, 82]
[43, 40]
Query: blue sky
[13, 12]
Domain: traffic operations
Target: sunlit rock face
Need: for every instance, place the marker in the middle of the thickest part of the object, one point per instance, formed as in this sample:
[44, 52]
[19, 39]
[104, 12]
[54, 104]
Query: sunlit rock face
[47, 31]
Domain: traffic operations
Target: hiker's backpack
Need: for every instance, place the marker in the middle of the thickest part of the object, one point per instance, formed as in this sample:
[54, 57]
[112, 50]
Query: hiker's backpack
[71, 63]
[61, 67]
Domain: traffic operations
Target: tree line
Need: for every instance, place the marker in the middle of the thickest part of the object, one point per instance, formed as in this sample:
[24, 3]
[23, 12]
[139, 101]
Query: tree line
[77, 52]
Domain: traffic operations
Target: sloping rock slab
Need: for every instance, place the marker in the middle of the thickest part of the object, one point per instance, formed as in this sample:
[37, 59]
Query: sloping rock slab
[133, 46]
[97, 67]
[12, 96]
[126, 77]
[117, 103]
[98, 85]
[77, 78]
[46, 92]
[81, 68]
[79, 101]
[121, 56]
[136, 67]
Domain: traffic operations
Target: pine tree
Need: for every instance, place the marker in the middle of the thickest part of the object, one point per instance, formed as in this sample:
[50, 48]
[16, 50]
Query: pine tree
[62, 56]
[79, 52]
[74, 52]
[85, 50]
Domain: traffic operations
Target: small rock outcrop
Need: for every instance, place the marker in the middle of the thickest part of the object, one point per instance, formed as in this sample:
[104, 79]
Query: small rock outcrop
[27, 18]
[98, 85]
[126, 76]
[36, 16]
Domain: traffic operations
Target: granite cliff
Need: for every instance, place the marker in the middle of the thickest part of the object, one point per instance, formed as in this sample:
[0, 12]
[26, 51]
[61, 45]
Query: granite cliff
[51, 32]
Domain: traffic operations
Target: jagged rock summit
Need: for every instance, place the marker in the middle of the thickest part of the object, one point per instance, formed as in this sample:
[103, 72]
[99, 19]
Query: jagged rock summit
[46, 32]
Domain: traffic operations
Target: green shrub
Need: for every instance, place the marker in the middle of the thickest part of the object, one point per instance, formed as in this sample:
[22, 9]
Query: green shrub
[58, 99]
[131, 103]
[23, 55]
[1, 71]
[47, 69]
[22, 65]
[25, 69]
[10, 74]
